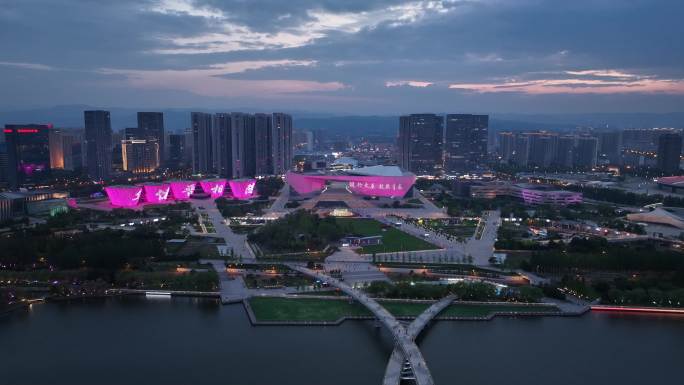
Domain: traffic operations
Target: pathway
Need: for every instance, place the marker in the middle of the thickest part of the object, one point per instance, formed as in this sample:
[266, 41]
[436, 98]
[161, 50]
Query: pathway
[233, 289]
[401, 335]
[238, 242]
[278, 208]
[395, 366]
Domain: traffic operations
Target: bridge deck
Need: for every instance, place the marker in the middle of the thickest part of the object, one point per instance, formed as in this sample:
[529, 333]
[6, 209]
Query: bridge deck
[401, 335]
[396, 361]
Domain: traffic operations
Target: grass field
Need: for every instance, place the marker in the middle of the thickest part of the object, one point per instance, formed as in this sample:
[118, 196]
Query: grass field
[303, 309]
[315, 309]
[465, 310]
[393, 239]
[464, 229]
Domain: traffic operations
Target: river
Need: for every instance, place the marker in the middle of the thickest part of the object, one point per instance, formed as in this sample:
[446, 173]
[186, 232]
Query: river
[187, 341]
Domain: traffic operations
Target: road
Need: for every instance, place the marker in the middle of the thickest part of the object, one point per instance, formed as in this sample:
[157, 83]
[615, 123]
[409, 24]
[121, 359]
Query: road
[278, 208]
[482, 249]
[235, 241]
[233, 289]
[393, 372]
[399, 332]
[451, 250]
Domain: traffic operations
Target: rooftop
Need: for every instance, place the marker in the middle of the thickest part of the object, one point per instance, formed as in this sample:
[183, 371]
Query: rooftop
[672, 180]
[377, 171]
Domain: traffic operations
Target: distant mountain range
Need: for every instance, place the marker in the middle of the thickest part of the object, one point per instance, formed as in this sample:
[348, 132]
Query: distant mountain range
[176, 120]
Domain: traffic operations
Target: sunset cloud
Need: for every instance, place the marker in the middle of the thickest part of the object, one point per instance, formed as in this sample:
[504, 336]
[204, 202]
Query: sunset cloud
[408, 83]
[209, 81]
[582, 82]
[351, 56]
[28, 66]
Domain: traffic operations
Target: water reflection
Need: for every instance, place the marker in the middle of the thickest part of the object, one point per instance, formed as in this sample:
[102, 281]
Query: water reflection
[134, 340]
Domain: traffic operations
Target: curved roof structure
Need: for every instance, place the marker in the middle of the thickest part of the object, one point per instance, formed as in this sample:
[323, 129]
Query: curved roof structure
[367, 185]
[376, 171]
[345, 160]
[659, 216]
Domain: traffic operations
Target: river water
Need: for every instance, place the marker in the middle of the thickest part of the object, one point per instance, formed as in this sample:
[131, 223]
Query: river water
[186, 341]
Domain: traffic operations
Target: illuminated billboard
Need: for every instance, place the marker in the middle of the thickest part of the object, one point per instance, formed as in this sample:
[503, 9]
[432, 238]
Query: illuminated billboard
[124, 196]
[213, 187]
[156, 192]
[182, 189]
[242, 188]
[371, 185]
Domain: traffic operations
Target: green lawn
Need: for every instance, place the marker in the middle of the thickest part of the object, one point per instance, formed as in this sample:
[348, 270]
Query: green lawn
[465, 229]
[315, 309]
[393, 239]
[465, 310]
[303, 309]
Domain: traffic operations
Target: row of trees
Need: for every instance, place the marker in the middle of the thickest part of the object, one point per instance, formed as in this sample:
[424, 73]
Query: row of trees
[467, 291]
[237, 208]
[105, 250]
[626, 197]
[268, 187]
[298, 231]
[593, 254]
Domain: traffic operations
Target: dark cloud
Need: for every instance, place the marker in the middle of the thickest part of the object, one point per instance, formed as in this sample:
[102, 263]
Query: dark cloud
[86, 51]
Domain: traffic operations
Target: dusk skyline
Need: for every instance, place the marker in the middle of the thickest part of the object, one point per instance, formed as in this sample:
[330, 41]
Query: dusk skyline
[363, 57]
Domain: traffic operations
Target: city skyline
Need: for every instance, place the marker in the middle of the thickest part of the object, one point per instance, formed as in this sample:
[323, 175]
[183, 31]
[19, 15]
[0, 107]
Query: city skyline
[382, 57]
[199, 176]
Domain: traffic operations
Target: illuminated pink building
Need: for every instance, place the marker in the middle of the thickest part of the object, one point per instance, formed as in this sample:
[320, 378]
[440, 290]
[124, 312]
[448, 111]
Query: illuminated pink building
[379, 181]
[124, 196]
[156, 192]
[213, 187]
[242, 188]
[182, 189]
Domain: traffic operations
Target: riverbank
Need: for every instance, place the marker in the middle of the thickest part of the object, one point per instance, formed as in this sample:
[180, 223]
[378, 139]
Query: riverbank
[334, 311]
[132, 328]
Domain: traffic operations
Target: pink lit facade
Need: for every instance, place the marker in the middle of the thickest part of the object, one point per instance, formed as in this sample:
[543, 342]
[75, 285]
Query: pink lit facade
[157, 193]
[182, 189]
[214, 187]
[379, 186]
[242, 188]
[124, 196]
[553, 198]
[530, 194]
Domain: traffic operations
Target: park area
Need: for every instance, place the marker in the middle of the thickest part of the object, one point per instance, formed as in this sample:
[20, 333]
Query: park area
[274, 309]
[305, 232]
[393, 239]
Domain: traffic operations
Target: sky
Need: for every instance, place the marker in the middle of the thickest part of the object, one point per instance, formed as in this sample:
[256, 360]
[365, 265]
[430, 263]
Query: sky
[345, 56]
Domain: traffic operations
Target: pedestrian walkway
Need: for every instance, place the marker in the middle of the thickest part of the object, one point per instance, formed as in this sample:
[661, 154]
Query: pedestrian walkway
[401, 335]
[234, 241]
[396, 366]
[233, 289]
